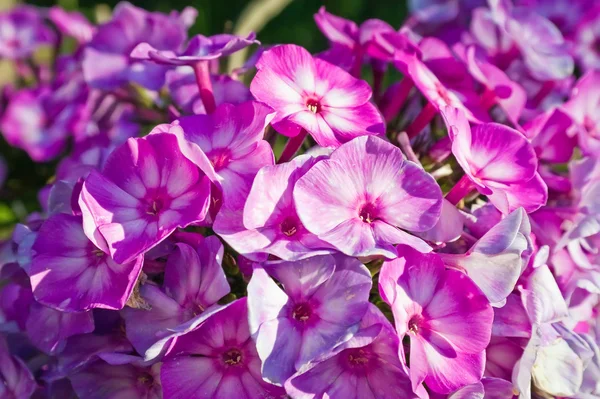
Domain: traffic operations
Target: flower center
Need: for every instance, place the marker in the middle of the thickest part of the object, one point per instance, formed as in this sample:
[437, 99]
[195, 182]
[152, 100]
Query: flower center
[232, 357]
[98, 252]
[146, 379]
[414, 324]
[219, 159]
[289, 226]
[367, 213]
[358, 357]
[154, 207]
[313, 105]
[301, 312]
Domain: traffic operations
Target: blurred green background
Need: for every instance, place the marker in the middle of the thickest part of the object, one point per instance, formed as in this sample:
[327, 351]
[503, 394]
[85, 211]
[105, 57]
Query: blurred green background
[275, 21]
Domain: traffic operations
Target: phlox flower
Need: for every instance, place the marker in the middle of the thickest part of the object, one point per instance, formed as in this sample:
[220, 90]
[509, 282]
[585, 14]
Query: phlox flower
[73, 274]
[324, 299]
[146, 190]
[366, 366]
[194, 281]
[271, 218]
[360, 198]
[217, 360]
[312, 94]
[106, 62]
[498, 161]
[445, 315]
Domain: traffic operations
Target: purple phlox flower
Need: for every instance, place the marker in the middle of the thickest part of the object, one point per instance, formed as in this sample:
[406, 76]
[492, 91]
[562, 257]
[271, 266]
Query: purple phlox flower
[84, 349]
[39, 120]
[217, 360]
[349, 41]
[15, 303]
[359, 198]
[447, 318]
[72, 23]
[22, 32]
[508, 33]
[565, 14]
[550, 134]
[146, 190]
[583, 108]
[102, 380]
[497, 259]
[184, 91]
[73, 274]
[17, 380]
[199, 48]
[271, 218]
[227, 145]
[106, 62]
[586, 39]
[487, 388]
[155, 259]
[498, 87]
[312, 94]
[193, 282]
[325, 297]
[48, 328]
[498, 161]
[366, 366]
[434, 11]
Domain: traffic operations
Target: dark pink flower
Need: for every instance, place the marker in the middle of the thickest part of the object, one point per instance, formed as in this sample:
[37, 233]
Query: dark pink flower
[312, 94]
[447, 318]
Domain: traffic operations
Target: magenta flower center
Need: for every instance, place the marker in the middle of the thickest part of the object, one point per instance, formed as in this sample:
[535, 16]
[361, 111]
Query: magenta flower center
[232, 357]
[289, 226]
[367, 213]
[220, 159]
[415, 324]
[154, 206]
[146, 379]
[358, 358]
[313, 105]
[301, 312]
[98, 253]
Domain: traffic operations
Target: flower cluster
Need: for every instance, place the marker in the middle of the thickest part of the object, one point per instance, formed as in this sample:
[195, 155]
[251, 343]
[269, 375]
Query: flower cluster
[308, 225]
